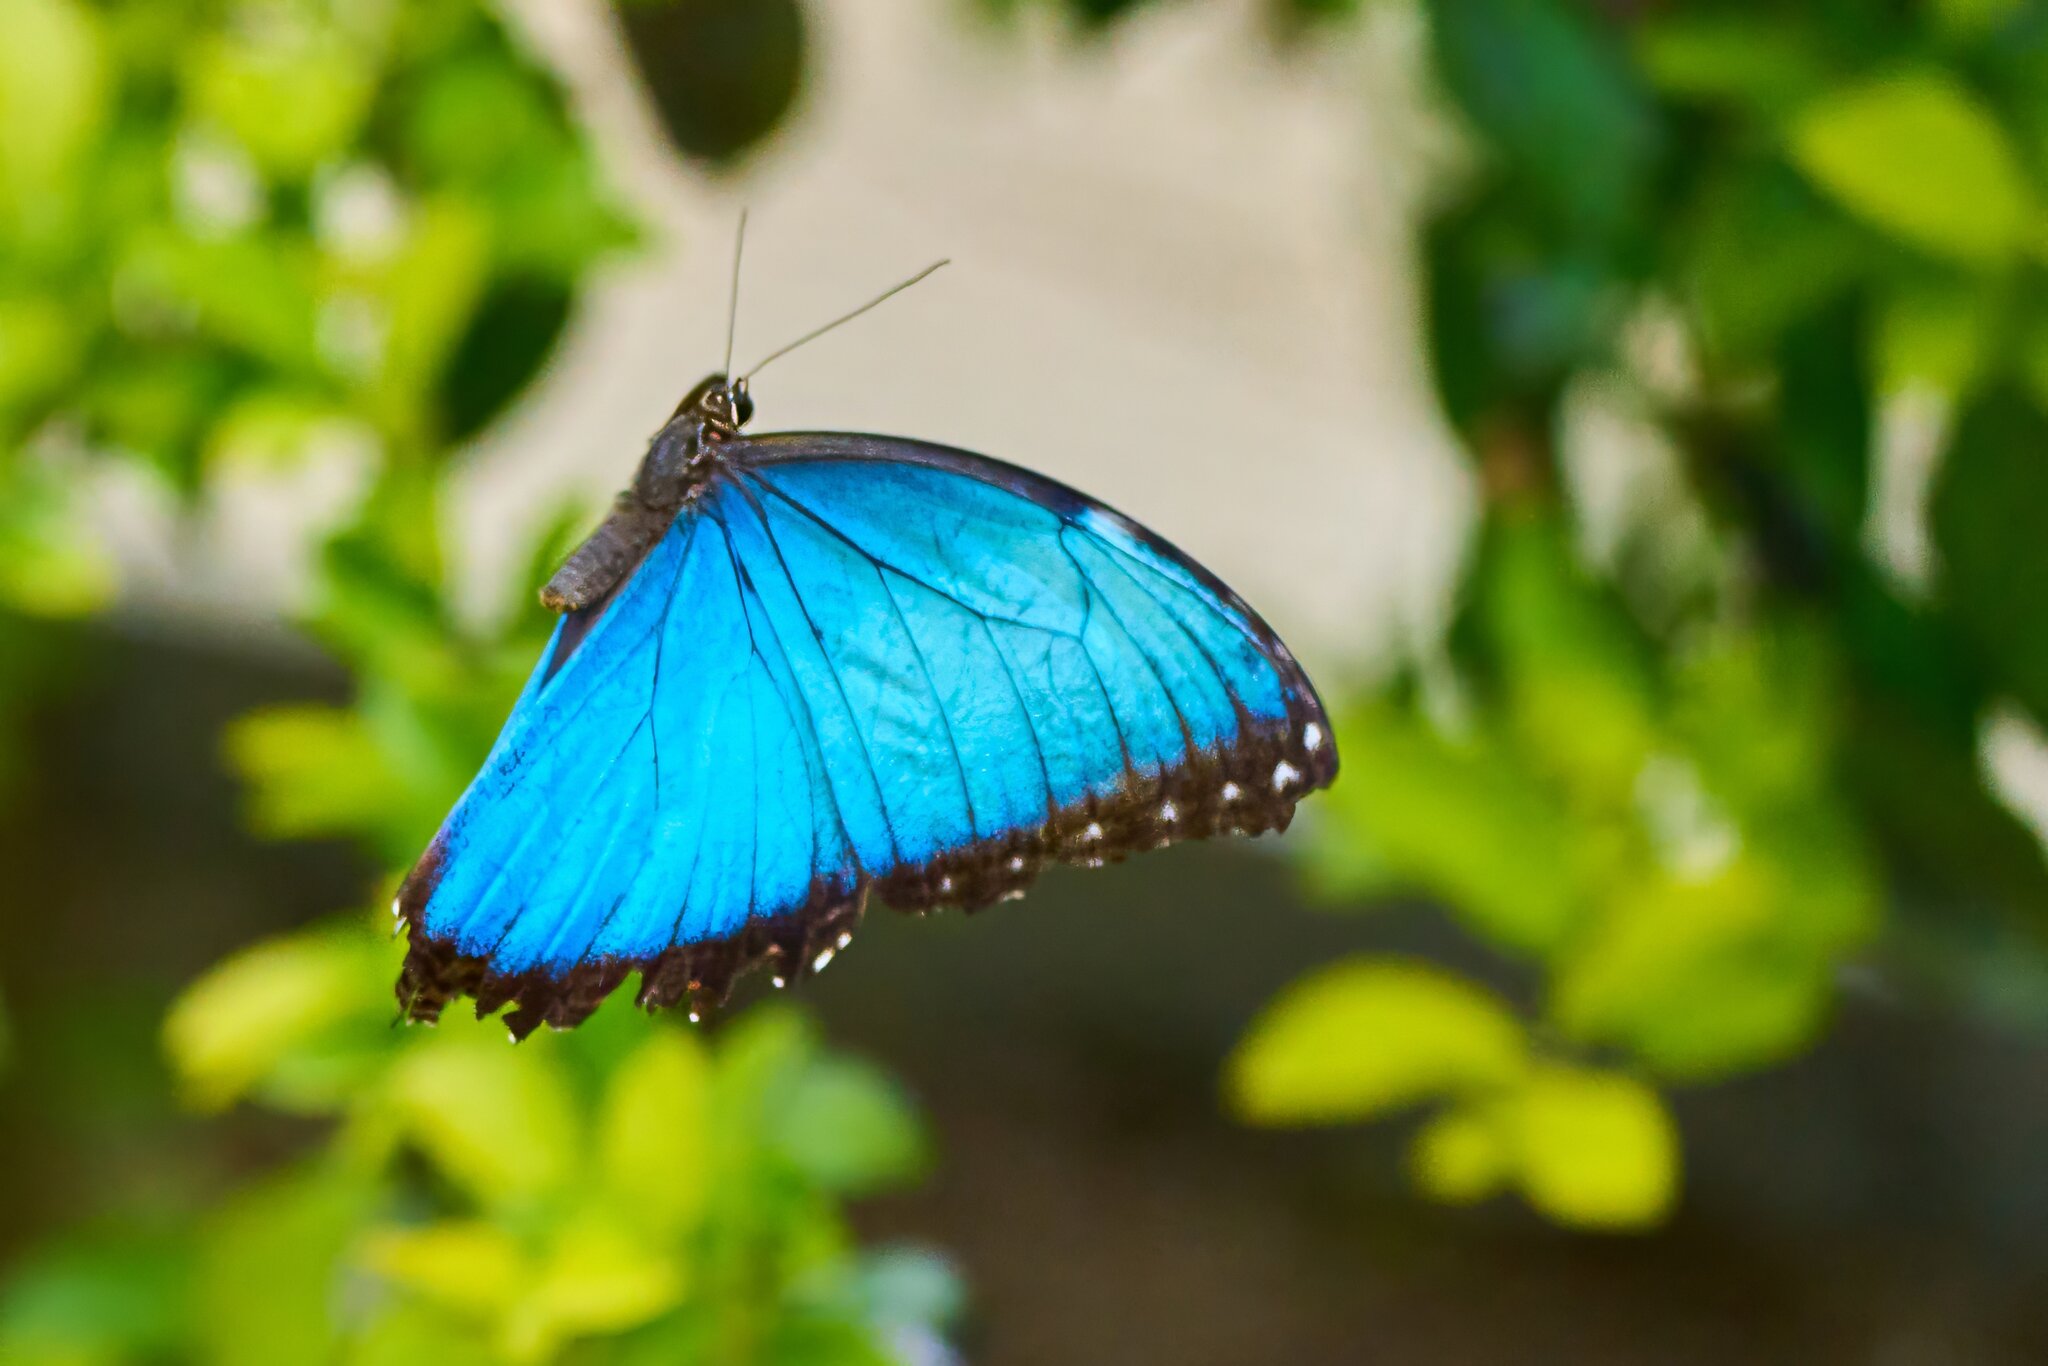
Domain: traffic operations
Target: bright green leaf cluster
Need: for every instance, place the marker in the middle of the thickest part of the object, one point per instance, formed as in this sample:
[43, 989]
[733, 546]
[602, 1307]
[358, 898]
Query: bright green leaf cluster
[630, 1191]
[1364, 1038]
[231, 227]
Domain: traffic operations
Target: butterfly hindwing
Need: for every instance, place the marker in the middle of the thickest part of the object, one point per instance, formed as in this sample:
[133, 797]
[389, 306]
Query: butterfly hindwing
[850, 663]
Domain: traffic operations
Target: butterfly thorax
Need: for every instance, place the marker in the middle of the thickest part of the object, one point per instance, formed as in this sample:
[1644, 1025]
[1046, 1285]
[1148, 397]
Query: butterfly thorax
[674, 470]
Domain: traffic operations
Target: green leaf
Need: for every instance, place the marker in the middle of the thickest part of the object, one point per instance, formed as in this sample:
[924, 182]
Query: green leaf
[759, 1055]
[230, 1030]
[800, 1339]
[1460, 821]
[1597, 1149]
[1557, 100]
[257, 293]
[1763, 252]
[1970, 20]
[41, 345]
[277, 428]
[653, 1132]
[848, 1127]
[269, 1268]
[1697, 976]
[1735, 1012]
[118, 1293]
[432, 286]
[1364, 1036]
[1759, 62]
[1574, 665]
[51, 564]
[1917, 155]
[499, 1120]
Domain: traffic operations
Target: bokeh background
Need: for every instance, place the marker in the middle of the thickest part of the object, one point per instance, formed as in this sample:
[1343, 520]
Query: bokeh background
[1635, 414]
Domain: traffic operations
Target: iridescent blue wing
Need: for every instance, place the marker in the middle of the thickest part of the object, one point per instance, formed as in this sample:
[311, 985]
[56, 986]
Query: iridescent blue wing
[852, 663]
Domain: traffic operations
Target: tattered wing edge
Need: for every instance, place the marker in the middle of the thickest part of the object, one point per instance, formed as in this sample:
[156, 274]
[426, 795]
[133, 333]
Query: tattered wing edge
[1250, 787]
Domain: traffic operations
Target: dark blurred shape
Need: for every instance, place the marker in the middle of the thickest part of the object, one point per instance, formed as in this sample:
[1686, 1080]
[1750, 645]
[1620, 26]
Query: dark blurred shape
[722, 73]
[1991, 522]
[509, 339]
[1291, 20]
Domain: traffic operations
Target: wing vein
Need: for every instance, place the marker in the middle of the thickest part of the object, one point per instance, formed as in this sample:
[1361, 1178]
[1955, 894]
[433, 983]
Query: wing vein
[931, 686]
[823, 772]
[882, 563]
[838, 684]
[1151, 665]
[1222, 680]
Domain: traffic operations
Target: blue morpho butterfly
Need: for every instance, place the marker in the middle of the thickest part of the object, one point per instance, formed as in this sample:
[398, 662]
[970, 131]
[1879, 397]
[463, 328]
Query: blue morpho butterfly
[796, 669]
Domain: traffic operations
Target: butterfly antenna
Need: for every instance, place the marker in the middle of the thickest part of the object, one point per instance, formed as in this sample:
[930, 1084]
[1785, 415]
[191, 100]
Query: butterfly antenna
[818, 332]
[732, 313]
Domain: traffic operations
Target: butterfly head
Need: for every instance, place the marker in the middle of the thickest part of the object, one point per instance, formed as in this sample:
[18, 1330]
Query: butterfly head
[719, 405]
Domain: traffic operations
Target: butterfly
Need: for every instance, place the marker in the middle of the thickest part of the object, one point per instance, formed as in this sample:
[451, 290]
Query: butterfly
[796, 670]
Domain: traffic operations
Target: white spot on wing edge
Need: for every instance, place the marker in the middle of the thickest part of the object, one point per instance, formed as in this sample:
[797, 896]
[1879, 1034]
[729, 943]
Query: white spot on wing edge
[1283, 774]
[823, 960]
[1231, 792]
[1093, 832]
[1312, 737]
[1168, 811]
[1016, 863]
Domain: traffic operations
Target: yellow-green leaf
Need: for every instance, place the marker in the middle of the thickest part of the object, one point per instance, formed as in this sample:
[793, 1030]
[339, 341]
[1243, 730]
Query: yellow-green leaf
[464, 1264]
[230, 1028]
[53, 91]
[1365, 1036]
[292, 93]
[312, 770]
[1597, 1149]
[263, 1268]
[1649, 936]
[653, 1136]
[497, 1119]
[596, 1281]
[1917, 155]
[1935, 337]
[1461, 1156]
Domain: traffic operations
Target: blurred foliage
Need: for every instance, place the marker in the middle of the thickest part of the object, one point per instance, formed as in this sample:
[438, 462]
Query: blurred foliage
[626, 1190]
[1712, 287]
[235, 233]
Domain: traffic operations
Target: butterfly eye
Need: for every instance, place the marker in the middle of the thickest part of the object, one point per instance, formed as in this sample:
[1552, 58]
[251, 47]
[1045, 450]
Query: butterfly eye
[742, 405]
